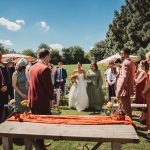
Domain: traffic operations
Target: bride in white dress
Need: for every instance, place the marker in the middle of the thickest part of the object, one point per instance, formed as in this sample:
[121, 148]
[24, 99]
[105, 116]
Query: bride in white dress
[78, 97]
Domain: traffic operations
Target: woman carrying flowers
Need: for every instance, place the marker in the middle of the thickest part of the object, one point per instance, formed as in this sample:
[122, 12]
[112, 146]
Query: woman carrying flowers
[78, 97]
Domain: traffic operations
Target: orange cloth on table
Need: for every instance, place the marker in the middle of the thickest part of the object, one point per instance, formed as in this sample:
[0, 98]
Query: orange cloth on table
[74, 120]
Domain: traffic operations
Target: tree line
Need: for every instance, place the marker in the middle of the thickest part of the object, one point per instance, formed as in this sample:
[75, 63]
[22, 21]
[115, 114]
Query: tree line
[130, 28]
[71, 55]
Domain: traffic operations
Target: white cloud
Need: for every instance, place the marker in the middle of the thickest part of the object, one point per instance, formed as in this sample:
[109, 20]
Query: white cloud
[13, 26]
[20, 22]
[44, 26]
[6, 42]
[91, 47]
[56, 46]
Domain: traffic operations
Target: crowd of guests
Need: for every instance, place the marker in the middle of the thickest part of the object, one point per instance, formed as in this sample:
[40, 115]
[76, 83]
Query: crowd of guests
[36, 82]
[125, 79]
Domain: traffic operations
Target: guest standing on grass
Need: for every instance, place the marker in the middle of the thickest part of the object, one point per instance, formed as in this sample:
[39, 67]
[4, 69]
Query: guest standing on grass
[77, 96]
[3, 89]
[140, 81]
[111, 80]
[41, 91]
[60, 77]
[19, 82]
[146, 95]
[8, 71]
[125, 82]
[94, 87]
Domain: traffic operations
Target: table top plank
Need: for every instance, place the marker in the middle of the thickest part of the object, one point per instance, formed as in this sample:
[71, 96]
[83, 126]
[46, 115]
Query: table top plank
[109, 133]
[133, 105]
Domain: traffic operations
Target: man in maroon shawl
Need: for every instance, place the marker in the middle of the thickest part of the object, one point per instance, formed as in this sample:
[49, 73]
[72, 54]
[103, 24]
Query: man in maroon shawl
[41, 90]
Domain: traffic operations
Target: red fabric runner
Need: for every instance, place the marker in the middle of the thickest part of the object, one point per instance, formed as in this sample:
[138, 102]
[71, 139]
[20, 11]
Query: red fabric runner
[80, 120]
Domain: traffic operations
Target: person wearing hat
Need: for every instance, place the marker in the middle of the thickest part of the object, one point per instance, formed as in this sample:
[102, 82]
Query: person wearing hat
[19, 82]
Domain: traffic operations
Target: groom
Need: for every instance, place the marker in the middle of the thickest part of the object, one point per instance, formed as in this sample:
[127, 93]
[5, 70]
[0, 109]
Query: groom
[60, 77]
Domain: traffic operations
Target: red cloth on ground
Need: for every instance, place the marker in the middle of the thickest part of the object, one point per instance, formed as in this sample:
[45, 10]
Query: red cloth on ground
[80, 120]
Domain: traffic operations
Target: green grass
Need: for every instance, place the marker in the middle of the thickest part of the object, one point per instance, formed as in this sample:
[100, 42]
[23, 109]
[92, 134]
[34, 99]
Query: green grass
[76, 145]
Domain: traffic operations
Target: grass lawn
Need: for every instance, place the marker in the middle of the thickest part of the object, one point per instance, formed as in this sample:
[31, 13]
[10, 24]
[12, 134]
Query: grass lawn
[75, 145]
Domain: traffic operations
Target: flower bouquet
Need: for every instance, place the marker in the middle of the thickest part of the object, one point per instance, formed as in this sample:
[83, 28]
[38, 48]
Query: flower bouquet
[25, 103]
[55, 110]
[108, 108]
[74, 76]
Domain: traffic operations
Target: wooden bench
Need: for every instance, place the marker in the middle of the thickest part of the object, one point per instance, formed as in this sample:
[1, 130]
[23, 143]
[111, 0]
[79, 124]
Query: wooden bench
[116, 134]
[133, 105]
[132, 98]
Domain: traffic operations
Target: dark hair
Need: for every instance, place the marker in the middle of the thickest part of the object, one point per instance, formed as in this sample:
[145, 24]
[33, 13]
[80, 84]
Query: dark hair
[20, 69]
[118, 60]
[42, 52]
[145, 64]
[95, 65]
[111, 62]
[126, 51]
[60, 62]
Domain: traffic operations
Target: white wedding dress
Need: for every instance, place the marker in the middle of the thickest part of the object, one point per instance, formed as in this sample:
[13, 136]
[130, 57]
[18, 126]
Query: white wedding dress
[77, 96]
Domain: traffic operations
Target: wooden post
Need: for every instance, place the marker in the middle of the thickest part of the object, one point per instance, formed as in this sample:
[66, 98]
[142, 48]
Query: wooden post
[115, 146]
[28, 144]
[7, 143]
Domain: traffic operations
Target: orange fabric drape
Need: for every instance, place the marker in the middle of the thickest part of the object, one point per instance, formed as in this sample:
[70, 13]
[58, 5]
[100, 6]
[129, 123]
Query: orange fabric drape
[80, 120]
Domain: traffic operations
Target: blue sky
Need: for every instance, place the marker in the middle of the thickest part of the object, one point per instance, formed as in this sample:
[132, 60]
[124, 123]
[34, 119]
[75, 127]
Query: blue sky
[25, 24]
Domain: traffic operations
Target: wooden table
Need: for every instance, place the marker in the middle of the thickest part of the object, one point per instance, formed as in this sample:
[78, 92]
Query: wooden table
[116, 134]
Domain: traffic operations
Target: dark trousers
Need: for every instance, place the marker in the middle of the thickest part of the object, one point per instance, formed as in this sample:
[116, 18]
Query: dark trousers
[111, 91]
[40, 142]
[3, 110]
[10, 91]
[60, 85]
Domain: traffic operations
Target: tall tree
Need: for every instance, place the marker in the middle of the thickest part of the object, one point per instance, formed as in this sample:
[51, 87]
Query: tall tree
[3, 49]
[77, 54]
[67, 56]
[55, 56]
[130, 27]
[98, 51]
[28, 52]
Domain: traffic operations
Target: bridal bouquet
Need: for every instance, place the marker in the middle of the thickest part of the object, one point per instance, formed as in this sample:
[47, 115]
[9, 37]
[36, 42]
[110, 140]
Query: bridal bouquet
[73, 77]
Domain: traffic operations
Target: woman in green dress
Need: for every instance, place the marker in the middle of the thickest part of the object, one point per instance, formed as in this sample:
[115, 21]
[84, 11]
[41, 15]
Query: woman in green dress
[94, 88]
[19, 81]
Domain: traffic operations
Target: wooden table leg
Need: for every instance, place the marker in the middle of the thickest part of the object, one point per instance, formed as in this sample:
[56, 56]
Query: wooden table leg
[115, 146]
[28, 144]
[7, 143]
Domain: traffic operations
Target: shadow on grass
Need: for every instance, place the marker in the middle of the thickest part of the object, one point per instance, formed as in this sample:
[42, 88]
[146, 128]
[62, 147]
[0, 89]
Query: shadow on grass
[18, 141]
[64, 107]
